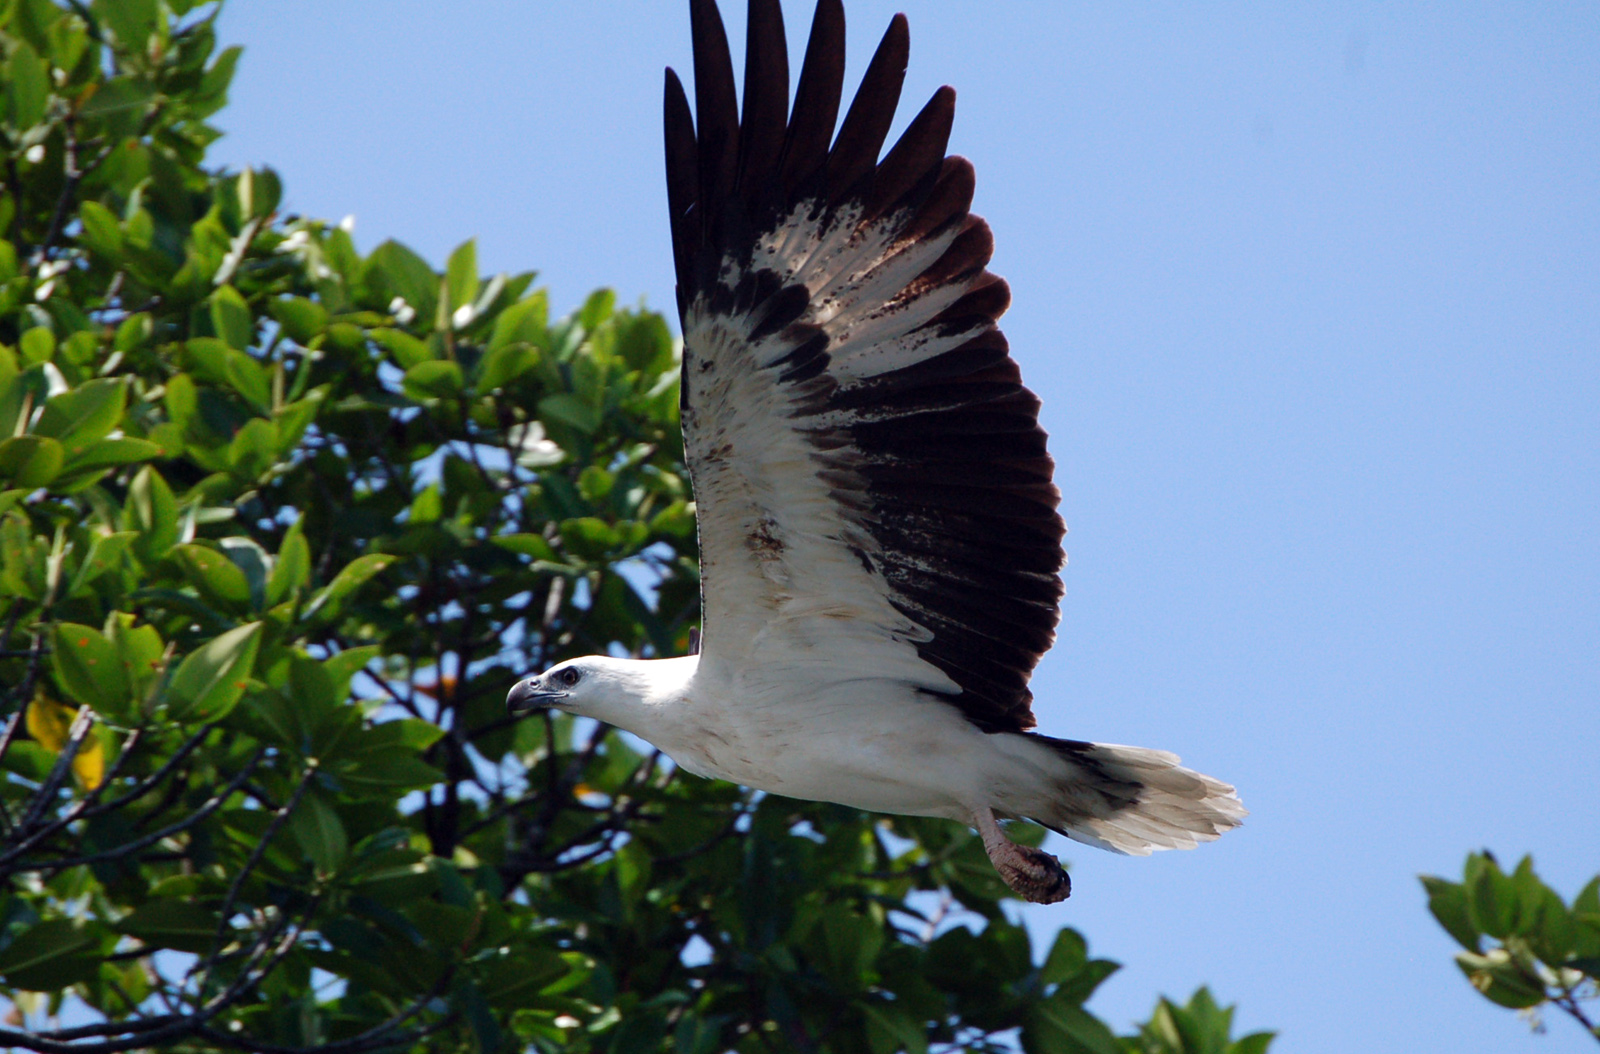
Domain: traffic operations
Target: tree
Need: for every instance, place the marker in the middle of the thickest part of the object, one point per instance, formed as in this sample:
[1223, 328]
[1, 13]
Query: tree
[1523, 947]
[279, 525]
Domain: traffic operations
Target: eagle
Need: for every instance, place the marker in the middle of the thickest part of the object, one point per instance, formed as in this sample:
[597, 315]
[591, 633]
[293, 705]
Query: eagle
[878, 526]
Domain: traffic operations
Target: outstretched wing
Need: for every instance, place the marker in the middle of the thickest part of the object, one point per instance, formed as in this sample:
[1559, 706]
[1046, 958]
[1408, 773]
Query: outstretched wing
[873, 488]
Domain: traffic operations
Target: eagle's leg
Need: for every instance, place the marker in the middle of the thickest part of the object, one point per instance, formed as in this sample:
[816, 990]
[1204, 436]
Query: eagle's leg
[1033, 873]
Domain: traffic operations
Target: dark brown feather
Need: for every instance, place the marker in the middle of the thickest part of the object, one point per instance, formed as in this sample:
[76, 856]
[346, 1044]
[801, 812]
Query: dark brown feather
[766, 102]
[716, 111]
[683, 166]
[816, 98]
[855, 151]
[914, 162]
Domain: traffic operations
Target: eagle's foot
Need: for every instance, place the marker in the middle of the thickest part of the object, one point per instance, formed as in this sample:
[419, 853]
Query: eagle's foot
[1034, 874]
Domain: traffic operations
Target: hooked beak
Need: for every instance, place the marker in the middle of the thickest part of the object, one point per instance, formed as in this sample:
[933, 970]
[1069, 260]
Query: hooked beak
[528, 695]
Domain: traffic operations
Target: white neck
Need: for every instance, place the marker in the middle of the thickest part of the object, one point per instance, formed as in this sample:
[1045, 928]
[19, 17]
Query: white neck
[632, 694]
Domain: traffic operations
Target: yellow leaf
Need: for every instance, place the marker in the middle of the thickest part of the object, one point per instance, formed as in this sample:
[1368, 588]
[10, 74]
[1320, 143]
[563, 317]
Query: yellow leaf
[49, 722]
[90, 764]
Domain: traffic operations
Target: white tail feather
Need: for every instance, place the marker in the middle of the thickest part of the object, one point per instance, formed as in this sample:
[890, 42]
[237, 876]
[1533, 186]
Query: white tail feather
[1177, 808]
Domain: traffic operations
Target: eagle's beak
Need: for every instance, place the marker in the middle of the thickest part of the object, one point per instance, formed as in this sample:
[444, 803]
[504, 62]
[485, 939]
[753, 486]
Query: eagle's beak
[528, 695]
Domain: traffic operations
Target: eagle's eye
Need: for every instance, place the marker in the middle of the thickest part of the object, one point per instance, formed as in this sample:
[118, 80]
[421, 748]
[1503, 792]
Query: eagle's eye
[567, 677]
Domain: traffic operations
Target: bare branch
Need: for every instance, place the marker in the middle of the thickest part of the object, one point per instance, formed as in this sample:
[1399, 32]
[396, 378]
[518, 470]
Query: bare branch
[206, 809]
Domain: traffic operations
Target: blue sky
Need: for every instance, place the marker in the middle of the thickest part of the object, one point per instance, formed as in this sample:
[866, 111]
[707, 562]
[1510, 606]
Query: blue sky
[1312, 297]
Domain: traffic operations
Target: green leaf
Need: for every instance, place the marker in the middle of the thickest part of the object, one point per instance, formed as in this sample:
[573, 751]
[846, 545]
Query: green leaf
[102, 234]
[1254, 1043]
[110, 453]
[645, 343]
[293, 419]
[401, 272]
[214, 85]
[139, 650]
[259, 191]
[38, 345]
[292, 569]
[1059, 1026]
[182, 925]
[22, 558]
[231, 318]
[118, 96]
[1491, 897]
[245, 375]
[84, 414]
[407, 350]
[1067, 956]
[50, 955]
[326, 604]
[569, 409]
[525, 322]
[426, 507]
[300, 318]
[392, 769]
[248, 556]
[88, 668]
[505, 364]
[434, 379]
[132, 21]
[485, 1027]
[533, 545]
[27, 86]
[30, 461]
[104, 554]
[153, 512]
[462, 274]
[345, 337]
[1588, 898]
[407, 732]
[1501, 980]
[343, 667]
[599, 307]
[396, 877]
[891, 1029]
[697, 1035]
[319, 831]
[217, 577]
[1448, 902]
[210, 680]
[517, 976]
[590, 537]
[254, 449]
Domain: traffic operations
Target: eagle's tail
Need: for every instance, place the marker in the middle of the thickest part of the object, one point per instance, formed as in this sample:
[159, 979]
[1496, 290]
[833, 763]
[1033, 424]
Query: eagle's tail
[1134, 800]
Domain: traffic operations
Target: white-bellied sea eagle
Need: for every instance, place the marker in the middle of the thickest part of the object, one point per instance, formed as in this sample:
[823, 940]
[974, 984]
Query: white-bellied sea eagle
[879, 541]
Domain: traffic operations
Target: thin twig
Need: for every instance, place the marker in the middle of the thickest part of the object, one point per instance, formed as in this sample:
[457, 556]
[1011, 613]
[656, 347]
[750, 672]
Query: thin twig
[250, 864]
[44, 797]
[206, 809]
[144, 786]
[80, 809]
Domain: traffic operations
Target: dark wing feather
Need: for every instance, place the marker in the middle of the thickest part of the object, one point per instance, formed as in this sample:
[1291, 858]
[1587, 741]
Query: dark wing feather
[816, 99]
[862, 447]
[766, 102]
[855, 151]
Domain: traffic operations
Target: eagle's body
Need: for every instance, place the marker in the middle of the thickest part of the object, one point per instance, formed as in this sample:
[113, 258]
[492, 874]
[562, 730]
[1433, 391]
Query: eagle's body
[879, 539]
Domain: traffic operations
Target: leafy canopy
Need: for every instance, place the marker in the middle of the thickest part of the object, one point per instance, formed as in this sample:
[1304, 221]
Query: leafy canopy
[1523, 947]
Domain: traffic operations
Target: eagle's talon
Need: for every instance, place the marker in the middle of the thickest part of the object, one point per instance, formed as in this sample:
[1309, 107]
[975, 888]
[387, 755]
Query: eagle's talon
[1035, 875]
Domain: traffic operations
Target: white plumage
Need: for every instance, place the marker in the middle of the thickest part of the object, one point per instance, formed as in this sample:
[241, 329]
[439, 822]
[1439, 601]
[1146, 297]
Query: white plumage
[878, 531]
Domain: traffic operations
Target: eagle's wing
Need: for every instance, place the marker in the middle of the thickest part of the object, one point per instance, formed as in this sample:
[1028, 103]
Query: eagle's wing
[873, 488]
